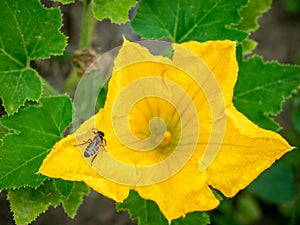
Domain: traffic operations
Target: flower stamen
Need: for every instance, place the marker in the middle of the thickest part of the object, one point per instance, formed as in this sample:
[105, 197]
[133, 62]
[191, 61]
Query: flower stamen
[167, 137]
[166, 142]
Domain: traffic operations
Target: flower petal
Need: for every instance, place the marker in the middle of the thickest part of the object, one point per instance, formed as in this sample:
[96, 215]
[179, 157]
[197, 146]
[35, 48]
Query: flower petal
[220, 57]
[185, 192]
[246, 151]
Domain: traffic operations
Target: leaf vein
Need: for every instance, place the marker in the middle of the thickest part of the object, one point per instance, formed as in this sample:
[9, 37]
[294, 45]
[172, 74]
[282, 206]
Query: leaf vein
[160, 21]
[21, 165]
[198, 22]
[257, 88]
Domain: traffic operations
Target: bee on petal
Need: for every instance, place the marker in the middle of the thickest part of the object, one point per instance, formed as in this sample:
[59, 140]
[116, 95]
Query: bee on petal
[94, 145]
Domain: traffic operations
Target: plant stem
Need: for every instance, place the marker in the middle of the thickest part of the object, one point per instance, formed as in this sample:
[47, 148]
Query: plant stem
[87, 26]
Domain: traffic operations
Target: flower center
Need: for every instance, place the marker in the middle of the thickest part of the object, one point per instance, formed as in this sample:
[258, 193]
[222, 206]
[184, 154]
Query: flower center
[157, 121]
[167, 140]
[167, 144]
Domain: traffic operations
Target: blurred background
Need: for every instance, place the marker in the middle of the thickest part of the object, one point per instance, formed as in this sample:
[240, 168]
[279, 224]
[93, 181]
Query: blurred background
[273, 199]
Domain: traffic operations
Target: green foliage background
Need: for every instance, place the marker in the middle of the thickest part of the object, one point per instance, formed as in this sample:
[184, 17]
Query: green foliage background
[36, 115]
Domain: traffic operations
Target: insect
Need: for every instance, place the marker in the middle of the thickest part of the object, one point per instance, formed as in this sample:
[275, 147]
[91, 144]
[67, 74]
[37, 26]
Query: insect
[95, 144]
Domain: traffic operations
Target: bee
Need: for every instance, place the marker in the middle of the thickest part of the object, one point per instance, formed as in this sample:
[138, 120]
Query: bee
[94, 145]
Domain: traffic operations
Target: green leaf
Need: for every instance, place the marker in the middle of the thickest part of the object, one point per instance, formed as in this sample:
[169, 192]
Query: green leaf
[64, 187]
[261, 89]
[101, 98]
[36, 130]
[184, 20]
[27, 203]
[64, 1]
[195, 218]
[275, 185]
[291, 6]
[247, 209]
[296, 113]
[3, 132]
[251, 12]
[28, 31]
[74, 200]
[148, 213]
[116, 11]
[248, 46]
[18, 85]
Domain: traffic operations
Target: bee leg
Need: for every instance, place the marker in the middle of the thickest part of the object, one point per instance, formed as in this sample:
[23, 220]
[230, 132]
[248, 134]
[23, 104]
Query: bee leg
[93, 159]
[84, 143]
[102, 148]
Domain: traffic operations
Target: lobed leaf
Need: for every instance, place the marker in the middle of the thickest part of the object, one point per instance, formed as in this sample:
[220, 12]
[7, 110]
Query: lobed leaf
[35, 132]
[74, 200]
[261, 89]
[64, 187]
[251, 12]
[28, 31]
[182, 21]
[41, 198]
[148, 213]
[37, 199]
[116, 11]
[17, 86]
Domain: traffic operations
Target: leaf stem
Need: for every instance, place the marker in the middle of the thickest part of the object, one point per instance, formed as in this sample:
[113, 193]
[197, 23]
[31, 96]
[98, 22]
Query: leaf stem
[71, 82]
[48, 89]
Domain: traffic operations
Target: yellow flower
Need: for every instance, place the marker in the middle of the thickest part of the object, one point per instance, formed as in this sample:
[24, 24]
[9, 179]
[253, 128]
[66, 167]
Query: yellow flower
[171, 131]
